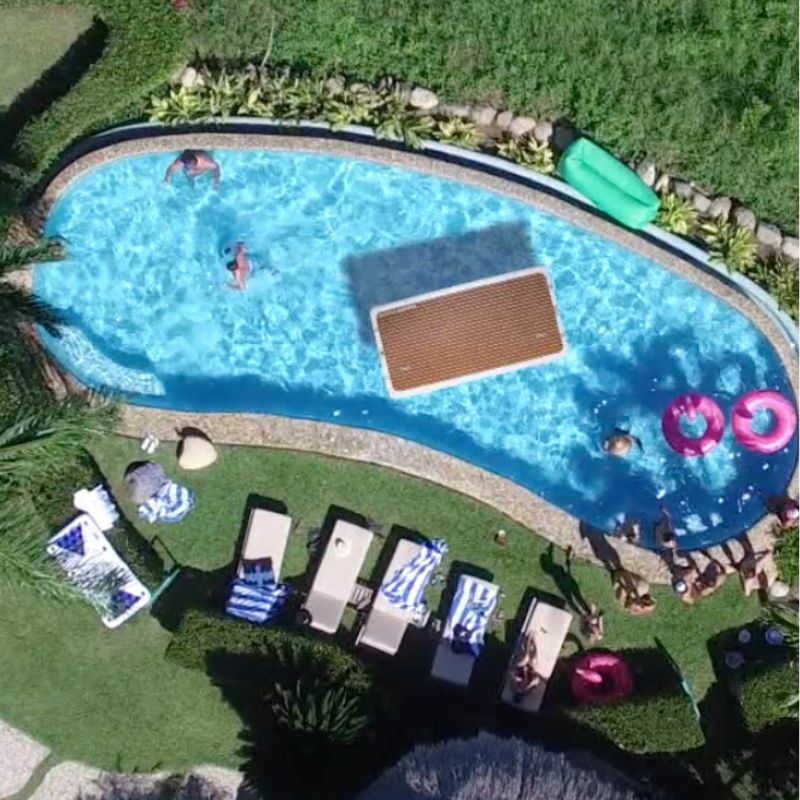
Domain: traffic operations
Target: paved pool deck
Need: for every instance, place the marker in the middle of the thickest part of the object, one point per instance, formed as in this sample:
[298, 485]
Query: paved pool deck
[390, 451]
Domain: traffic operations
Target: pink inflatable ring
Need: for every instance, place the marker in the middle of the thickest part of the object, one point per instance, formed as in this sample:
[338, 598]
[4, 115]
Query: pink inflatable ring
[693, 404]
[601, 678]
[782, 430]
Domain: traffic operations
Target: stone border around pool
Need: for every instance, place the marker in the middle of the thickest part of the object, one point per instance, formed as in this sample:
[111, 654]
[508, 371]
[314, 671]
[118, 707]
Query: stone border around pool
[386, 450]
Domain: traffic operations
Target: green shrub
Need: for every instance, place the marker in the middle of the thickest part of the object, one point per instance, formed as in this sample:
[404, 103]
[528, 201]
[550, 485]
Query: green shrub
[288, 654]
[527, 151]
[786, 554]
[778, 277]
[730, 244]
[147, 40]
[457, 131]
[768, 694]
[657, 723]
[332, 713]
[233, 29]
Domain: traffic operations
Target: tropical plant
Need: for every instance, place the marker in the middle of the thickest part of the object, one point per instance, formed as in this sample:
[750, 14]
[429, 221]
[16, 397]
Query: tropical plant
[783, 617]
[729, 244]
[180, 105]
[527, 151]
[458, 131]
[676, 215]
[333, 713]
[780, 277]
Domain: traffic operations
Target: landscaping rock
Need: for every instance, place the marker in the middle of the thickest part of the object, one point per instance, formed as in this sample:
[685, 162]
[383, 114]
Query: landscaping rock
[543, 131]
[663, 183]
[744, 218]
[142, 481]
[521, 125]
[683, 189]
[769, 237]
[483, 116]
[791, 248]
[720, 208]
[176, 77]
[335, 85]
[700, 202]
[446, 110]
[19, 757]
[423, 99]
[191, 78]
[504, 119]
[196, 451]
[647, 172]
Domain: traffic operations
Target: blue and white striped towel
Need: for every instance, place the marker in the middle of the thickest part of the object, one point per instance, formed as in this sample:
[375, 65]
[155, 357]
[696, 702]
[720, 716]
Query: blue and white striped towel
[171, 503]
[472, 607]
[406, 588]
[256, 603]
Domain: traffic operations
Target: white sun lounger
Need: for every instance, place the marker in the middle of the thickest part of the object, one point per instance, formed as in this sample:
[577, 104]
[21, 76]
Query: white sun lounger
[457, 667]
[336, 575]
[265, 539]
[549, 626]
[386, 624]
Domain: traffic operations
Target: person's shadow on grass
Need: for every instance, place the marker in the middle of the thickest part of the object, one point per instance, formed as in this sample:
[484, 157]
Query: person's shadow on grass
[564, 580]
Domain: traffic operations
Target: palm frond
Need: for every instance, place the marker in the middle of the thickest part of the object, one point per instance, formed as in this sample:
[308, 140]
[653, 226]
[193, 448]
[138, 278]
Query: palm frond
[38, 441]
[18, 256]
[19, 307]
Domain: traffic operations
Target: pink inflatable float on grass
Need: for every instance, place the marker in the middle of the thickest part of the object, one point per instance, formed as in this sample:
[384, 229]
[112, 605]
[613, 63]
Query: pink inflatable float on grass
[691, 405]
[601, 678]
[782, 430]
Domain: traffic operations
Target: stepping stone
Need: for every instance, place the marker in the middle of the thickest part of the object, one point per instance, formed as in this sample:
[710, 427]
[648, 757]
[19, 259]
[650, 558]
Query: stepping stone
[19, 757]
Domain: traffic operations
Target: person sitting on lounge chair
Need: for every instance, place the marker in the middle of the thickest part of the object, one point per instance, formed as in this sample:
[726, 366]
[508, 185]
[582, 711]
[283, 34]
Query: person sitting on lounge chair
[632, 592]
[709, 580]
[523, 676]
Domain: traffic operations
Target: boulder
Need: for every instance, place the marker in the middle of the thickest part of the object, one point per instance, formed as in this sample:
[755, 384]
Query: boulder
[483, 116]
[700, 202]
[744, 218]
[423, 99]
[791, 248]
[143, 480]
[447, 110]
[683, 189]
[769, 237]
[504, 119]
[335, 85]
[720, 208]
[191, 78]
[521, 125]
[543, 131]
[647, 172]
[663, 183]
[195, 451]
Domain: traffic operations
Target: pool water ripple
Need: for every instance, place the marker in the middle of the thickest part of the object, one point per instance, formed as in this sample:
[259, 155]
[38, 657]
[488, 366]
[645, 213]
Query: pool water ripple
[329, 238]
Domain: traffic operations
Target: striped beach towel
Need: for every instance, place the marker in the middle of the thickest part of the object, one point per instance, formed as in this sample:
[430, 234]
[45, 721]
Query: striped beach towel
[256, 603]
[470, 613]
[406, 588]
[171, 503]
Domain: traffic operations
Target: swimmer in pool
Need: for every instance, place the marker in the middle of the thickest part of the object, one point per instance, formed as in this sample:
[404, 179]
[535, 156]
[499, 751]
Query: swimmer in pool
[239, 266]
[194, 164]
[620, 442]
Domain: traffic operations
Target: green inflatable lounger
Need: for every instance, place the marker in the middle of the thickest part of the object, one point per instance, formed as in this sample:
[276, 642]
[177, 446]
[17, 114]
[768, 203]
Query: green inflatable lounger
[609, 184]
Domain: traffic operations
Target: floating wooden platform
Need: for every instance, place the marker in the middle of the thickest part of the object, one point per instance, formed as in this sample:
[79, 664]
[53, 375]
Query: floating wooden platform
[465, 332]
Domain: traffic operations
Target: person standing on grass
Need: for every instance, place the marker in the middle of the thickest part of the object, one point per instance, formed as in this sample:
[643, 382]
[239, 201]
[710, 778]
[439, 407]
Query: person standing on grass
[194, 163]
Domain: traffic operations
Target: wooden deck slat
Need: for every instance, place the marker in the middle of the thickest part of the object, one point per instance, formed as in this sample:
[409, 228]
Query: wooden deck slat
[473, 330]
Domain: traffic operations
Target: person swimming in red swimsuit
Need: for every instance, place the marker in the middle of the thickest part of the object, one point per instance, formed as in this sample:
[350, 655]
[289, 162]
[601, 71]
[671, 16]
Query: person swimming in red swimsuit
[194, 164]
[239, 266]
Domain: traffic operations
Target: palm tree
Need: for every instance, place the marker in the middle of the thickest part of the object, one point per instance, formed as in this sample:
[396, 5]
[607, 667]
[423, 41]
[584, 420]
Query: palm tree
[18, 306]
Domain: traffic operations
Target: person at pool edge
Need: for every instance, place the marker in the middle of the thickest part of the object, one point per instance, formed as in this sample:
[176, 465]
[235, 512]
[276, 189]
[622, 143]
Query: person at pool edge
[194, 164]
[239, 266]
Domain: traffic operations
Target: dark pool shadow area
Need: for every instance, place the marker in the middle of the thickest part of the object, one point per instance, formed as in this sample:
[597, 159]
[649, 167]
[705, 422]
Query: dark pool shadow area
[387, 276]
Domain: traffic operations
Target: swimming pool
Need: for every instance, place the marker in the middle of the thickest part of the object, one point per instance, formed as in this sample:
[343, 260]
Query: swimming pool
[331, 237]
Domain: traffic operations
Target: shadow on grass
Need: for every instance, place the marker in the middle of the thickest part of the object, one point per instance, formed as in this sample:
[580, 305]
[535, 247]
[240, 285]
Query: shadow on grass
[53, 84]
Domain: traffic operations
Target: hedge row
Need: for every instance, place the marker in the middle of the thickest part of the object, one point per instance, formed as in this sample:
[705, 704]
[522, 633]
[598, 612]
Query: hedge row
[656, 723]
[283, 653]
[765, 693]
[147, 41]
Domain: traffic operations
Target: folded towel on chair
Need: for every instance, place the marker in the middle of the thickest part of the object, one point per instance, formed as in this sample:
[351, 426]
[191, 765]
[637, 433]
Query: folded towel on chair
[256, 603]
[171, 503]
[406, 587]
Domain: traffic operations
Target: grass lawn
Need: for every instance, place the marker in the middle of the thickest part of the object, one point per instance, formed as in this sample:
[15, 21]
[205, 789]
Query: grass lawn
[109, 697]
[31, 41]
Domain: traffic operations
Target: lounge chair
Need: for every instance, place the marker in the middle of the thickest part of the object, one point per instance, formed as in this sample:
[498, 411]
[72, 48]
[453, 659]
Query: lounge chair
[462, 638]
[255, 594]
[400, 597]
[549, 626]
[336, 575]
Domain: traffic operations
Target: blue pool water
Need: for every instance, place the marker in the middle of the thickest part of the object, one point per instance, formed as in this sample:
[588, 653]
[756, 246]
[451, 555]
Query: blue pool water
[330, 238]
